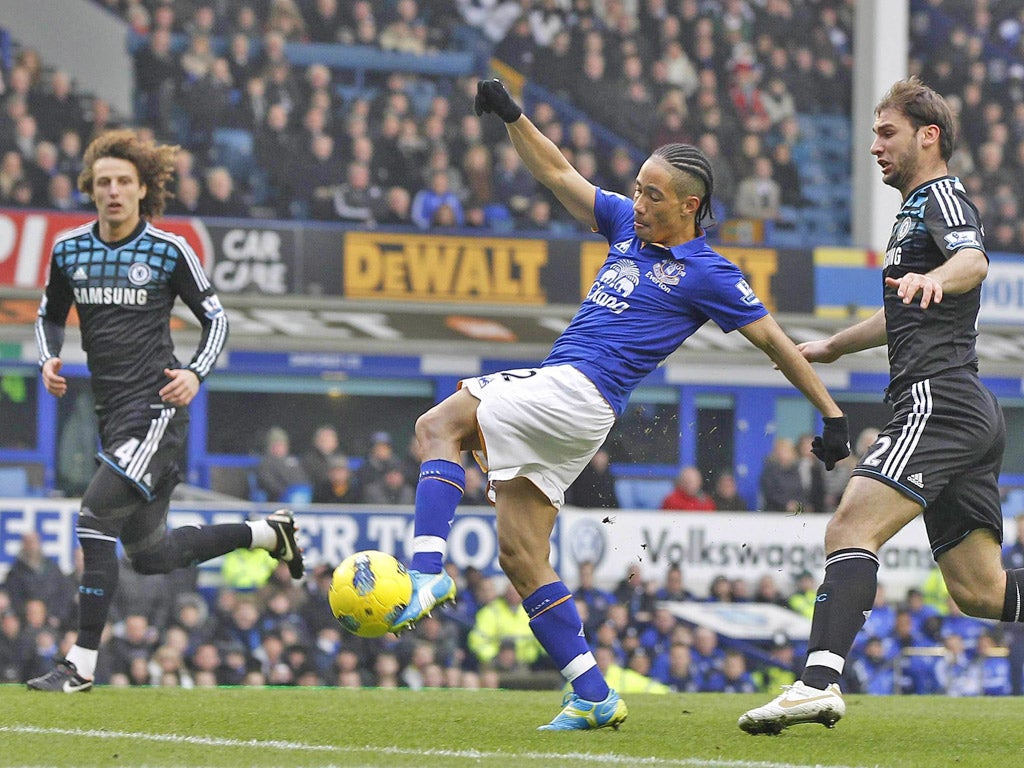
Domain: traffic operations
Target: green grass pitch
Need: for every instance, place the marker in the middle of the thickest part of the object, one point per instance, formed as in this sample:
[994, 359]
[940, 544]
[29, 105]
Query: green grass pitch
[452, 729]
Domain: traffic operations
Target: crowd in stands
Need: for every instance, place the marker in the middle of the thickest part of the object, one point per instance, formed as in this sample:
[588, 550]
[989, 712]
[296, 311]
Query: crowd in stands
[791, 480]
[273, 631]
[405, 149]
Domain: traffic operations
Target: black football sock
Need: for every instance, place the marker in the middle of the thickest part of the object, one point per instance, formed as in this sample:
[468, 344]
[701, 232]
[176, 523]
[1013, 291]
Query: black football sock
[1013, 600]
[844, 602]
[192, 544]
[99, 580]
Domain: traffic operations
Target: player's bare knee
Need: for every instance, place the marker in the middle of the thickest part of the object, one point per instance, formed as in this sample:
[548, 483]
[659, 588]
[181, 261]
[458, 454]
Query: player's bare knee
[432, 432]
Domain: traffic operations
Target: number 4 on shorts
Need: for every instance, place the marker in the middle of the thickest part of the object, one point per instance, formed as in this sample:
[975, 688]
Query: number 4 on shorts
[126, 452]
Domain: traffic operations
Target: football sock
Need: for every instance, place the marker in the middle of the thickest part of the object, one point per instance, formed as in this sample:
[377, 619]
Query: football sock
[438, 493]
[263, 535]
[99, 580]
[84, 660]
[844, 602]
[556, 623]
[1013, 600]
[191, 544]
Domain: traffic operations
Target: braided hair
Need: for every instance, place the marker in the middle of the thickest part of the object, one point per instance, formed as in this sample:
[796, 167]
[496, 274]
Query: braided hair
[694, 170]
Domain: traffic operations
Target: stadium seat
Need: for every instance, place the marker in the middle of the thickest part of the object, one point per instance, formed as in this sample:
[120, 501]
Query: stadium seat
[232, 148]
[639, 493]
[14, 482]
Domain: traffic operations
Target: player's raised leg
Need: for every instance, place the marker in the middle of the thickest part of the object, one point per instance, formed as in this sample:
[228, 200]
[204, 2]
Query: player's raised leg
[442, 432]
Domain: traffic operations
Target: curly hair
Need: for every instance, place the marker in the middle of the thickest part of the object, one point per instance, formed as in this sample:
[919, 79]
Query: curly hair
[154, 163]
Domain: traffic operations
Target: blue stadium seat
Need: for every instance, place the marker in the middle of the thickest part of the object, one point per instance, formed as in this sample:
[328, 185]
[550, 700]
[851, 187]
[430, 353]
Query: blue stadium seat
[232, 148]
[498, 217]
[638, 493]
[14, 482]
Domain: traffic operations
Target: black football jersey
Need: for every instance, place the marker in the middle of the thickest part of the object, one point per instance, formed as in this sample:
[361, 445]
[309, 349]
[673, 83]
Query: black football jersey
[124, 293]
[936, 220]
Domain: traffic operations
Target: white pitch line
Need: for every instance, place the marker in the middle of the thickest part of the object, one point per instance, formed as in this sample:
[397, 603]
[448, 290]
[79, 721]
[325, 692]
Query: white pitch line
[578, 758]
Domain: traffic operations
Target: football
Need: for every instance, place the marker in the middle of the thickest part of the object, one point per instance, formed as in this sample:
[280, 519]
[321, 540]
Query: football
[368, 591]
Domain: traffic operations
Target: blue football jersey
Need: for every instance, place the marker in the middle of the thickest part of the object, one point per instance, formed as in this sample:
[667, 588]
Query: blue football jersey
[645, 301]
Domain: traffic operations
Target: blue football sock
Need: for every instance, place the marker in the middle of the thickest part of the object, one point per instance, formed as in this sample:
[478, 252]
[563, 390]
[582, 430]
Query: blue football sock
[438, 492]
[557, 625]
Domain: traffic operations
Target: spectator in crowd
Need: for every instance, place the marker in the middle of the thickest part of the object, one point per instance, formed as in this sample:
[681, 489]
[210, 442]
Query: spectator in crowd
[324, 174]
[15, 648]
[186, 198]
[882, 617]
[674, 587]
[397, 208]
[390, 488]
[687, 494]
[595, 487]
[636, 595]
[726, 495]
[768, 592]
[475, 492]
[279, 474]
[675, 669]
[812, 474]
[706, 654]
[379, 457]
[219, 197]
[151, 596]
[995, 666]
[805, 595]
[596, 599]
[626, 679]
[780, 669]
[34, 576]
[658, 637]
[426, 202]
[720, 590]
[759, 194]
[501, 618]
[872, 671]
[323, 447]
[957, 673]
[733, 677]
[338, 485]
[781, 486]
[357, 199]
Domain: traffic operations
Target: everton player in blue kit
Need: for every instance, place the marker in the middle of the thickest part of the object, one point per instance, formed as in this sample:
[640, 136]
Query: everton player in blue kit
[123, 275]
[942, 451]
[536, 429]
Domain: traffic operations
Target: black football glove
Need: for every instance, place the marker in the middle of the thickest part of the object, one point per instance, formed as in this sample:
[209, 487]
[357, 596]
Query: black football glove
[833, 444]
[491, 96]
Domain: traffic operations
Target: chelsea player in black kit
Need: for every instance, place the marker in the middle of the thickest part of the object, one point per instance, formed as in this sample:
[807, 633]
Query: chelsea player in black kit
[123, 275]
[941, 453]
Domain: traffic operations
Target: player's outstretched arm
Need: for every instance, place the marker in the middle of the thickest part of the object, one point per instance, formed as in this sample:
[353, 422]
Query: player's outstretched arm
[539, 153]
[833, 445]
[864, 335]
[766, 335]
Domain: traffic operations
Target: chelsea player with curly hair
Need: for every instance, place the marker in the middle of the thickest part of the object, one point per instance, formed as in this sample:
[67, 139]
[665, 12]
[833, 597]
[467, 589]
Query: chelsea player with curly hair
[536, 429]
[123, 275]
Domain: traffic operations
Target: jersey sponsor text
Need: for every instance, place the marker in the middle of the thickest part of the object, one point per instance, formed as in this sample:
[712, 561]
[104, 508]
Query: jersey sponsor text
[136, 297]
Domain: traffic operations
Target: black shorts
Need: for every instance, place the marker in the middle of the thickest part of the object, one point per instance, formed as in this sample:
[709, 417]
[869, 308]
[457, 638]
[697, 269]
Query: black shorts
[145, 445]
[944, 450]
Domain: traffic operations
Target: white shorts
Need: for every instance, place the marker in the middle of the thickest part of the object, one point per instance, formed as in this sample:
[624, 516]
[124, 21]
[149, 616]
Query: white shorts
[544, 424]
